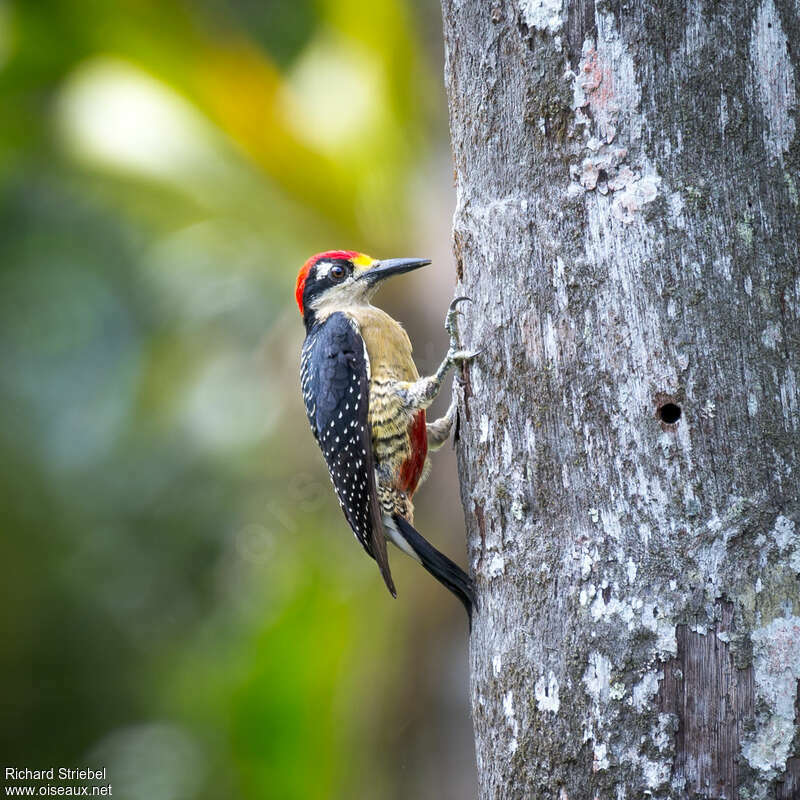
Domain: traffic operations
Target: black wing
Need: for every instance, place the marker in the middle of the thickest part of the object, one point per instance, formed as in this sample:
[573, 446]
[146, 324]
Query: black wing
[334, 377]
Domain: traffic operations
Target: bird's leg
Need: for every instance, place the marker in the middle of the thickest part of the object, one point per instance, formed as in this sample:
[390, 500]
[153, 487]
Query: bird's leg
[421, 393]
[439, 430]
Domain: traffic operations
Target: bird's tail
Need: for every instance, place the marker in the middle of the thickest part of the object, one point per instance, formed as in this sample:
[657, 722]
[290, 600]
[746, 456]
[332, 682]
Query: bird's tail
[438, 564]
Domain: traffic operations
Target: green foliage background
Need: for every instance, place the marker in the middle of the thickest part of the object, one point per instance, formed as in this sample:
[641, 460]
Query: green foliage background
[182, 602]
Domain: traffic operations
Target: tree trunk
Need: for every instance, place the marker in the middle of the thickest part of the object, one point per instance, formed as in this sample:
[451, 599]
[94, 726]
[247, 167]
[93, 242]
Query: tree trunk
[627, 226]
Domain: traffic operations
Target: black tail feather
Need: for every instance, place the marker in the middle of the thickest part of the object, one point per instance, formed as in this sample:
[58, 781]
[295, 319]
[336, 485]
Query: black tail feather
[439, 565]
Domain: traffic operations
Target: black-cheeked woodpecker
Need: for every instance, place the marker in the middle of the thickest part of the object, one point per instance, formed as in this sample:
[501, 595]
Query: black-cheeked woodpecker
[366, 405]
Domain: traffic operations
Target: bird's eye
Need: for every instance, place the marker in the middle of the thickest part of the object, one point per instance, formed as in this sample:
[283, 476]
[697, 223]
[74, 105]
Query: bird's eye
[337, 272]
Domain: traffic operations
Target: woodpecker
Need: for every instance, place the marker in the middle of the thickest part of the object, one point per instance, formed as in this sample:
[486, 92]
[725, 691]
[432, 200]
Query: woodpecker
[366, 405]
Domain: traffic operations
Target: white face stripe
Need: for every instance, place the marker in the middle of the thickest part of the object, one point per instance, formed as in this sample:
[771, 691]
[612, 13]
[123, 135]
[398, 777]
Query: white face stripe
[360, 263]
[323, 268]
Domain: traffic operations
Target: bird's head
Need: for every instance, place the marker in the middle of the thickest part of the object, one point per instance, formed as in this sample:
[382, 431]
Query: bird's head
[338, 279]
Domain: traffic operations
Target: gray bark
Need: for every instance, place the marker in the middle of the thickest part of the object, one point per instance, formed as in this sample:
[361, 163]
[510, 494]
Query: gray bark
[627, 225]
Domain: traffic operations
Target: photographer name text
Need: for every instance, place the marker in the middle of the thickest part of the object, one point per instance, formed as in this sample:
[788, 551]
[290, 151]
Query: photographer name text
[53, 774]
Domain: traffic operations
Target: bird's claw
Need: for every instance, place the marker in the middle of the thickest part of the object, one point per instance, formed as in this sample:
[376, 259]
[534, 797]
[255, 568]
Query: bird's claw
[458, 300]
[459, 357]
[450, 321]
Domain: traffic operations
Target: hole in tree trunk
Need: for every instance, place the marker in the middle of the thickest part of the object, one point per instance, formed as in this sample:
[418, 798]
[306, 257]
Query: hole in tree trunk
[669, 413]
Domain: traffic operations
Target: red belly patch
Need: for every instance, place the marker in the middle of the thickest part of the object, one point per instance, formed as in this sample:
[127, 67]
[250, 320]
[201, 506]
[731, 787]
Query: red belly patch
[411, 471]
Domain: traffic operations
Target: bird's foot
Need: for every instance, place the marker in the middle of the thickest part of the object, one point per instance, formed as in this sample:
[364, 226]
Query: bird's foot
[459, 357]
[450, 322]
[455, 355]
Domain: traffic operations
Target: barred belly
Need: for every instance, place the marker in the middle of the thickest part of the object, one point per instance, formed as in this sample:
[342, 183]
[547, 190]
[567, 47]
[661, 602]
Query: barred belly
[399, 441]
